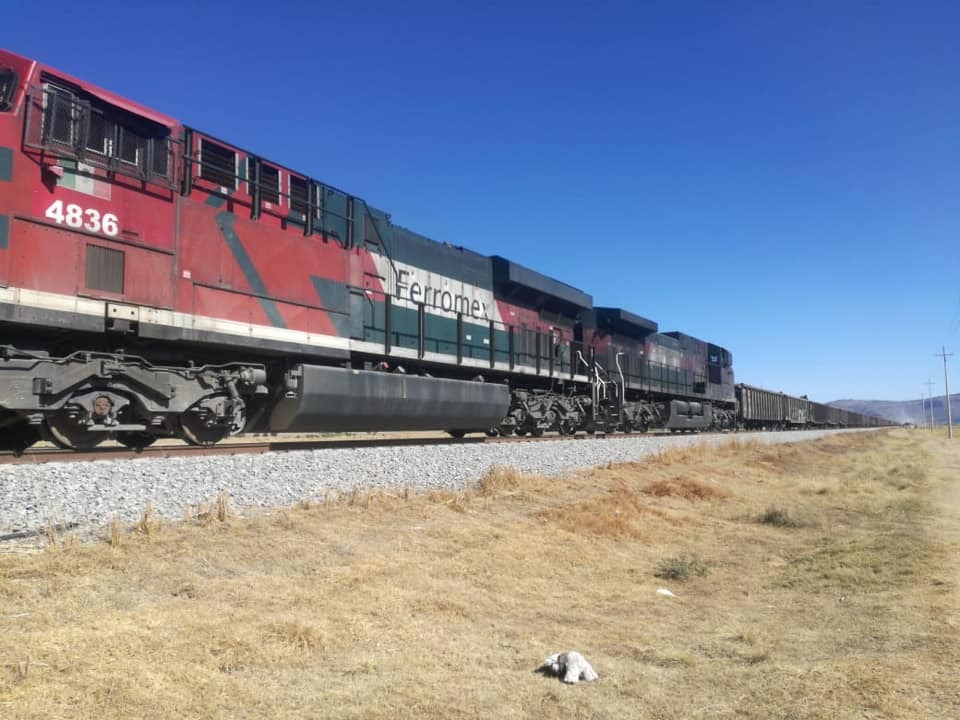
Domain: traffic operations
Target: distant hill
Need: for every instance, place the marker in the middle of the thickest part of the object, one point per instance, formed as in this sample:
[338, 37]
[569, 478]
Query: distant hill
[904, 410]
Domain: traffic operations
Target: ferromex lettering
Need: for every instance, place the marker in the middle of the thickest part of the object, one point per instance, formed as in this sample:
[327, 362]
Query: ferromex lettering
[409, 288]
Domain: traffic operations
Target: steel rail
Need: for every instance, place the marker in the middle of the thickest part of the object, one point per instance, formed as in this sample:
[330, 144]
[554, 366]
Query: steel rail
[43, 455]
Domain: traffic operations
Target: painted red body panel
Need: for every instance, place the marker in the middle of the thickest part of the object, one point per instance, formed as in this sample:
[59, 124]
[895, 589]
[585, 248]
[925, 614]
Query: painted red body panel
[525, 318]
[175, 255]
[282, 257]
[13, 195]
[44, 255]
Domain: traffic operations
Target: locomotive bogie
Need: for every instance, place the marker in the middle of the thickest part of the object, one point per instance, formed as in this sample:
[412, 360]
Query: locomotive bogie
[79, 400]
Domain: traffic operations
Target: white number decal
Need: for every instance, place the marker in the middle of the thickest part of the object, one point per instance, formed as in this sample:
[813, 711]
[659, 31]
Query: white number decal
[73, 216]
[55, 212]
[111, 224]
[93, 220]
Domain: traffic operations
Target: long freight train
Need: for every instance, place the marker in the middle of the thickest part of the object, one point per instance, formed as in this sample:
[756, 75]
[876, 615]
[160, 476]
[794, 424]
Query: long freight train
[156, 281]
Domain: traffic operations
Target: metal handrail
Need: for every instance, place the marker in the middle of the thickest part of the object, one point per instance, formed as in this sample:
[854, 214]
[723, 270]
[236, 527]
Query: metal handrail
[37, 135]
[314, 201]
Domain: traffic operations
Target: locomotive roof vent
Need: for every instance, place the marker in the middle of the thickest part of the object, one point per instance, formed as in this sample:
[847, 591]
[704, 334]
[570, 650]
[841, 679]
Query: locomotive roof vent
[621, 321]
[519, 283]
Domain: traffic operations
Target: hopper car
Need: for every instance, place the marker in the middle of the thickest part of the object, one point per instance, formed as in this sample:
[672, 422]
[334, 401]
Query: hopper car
[759, 409]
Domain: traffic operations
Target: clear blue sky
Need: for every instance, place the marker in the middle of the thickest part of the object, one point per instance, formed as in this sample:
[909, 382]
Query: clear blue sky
[782, 178]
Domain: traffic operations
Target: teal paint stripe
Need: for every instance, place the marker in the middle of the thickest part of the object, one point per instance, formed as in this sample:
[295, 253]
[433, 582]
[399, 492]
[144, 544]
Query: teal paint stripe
[218, 201]
[6, 164]
[334, 299]
[225, 223]
[440, 333]
[4, 232]
[332, 294]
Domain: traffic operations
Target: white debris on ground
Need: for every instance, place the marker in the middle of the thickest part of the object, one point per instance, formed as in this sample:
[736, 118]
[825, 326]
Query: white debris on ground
[570, 666]
[665, 592]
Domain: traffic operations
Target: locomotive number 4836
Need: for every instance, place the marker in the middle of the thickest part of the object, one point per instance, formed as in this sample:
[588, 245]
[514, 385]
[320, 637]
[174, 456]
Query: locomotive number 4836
[89, 219]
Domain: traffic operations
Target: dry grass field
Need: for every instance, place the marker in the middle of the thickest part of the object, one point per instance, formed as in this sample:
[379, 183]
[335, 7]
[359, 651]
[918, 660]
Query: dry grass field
[816, 580]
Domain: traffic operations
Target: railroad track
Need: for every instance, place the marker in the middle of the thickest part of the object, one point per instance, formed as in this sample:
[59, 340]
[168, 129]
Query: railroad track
[78, 496]
[41, 455]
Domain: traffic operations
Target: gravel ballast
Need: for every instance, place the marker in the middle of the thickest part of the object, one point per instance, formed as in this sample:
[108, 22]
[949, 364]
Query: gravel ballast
[89, 494]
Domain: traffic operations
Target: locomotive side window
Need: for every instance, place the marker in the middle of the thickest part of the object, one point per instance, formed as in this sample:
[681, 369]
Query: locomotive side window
[298, 195]
[78, 124]
[8, 84]
[218, 164]
[61, 116]
[269, 181]
[270, 184]
[113, 136]
[130, 146]
[160, 157]
[100, 132]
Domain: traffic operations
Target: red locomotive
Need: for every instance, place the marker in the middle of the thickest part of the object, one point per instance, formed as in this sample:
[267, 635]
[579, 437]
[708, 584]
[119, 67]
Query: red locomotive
[157, 281]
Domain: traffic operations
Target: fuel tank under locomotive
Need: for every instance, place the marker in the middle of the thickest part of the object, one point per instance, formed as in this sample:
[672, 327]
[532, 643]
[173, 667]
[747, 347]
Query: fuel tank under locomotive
[320, 398]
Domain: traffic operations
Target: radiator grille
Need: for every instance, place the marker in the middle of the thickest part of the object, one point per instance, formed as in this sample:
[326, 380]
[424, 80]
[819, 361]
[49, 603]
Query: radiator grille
[104, 269]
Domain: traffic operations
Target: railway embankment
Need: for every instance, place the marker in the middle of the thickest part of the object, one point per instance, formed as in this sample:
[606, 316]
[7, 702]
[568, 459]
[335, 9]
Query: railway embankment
[82, 496]
[808, 579]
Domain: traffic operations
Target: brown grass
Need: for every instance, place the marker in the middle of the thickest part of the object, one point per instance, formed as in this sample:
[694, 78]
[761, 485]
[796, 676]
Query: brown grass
[116, 533]
[396, 605]
[618, 513]
[683, 488]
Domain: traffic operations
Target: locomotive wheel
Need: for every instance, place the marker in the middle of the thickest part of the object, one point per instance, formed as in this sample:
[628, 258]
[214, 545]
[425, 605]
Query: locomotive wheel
[19, 437]
[536, 431]
[457, 434]
[135, 440]
[68, 435]
[493, 432]
[196, 432]
[568, 427]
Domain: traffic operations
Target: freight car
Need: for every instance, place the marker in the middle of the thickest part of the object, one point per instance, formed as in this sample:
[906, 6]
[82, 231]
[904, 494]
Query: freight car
[157, 281]
[759, 408]
[765, 409]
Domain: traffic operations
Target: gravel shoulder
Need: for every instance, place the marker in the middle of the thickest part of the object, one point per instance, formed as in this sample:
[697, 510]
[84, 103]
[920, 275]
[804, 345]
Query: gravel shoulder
[90, 494]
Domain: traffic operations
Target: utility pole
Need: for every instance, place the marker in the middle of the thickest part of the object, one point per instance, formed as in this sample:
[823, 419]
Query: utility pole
[923, 410]
[946, 388]
[929, 385]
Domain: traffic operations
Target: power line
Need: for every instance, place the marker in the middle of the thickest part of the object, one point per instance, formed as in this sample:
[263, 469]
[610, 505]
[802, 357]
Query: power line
[946, 387]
